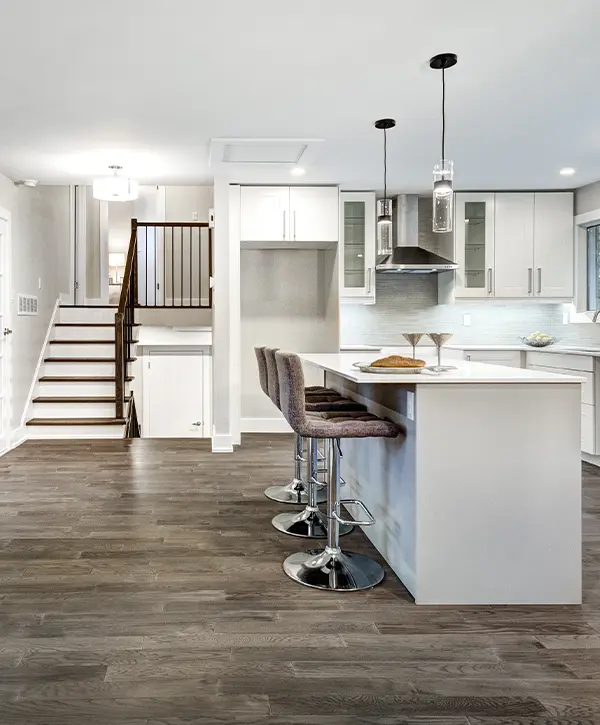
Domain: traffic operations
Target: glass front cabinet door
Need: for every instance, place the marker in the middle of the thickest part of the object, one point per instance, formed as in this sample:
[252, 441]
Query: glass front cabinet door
[474, 244]
[357, 247]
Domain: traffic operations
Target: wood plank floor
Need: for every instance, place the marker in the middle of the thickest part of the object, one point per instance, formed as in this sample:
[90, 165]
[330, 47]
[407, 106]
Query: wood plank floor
[141, 584]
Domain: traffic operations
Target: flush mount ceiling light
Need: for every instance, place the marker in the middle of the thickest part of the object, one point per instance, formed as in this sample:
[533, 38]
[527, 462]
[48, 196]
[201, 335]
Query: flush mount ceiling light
[567, 171]
[297, 171]
[115, 187]
[443, 171]
[31, 183]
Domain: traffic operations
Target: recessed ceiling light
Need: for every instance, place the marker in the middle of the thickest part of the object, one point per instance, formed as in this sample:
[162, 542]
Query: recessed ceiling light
[567, 171]
[297, 171]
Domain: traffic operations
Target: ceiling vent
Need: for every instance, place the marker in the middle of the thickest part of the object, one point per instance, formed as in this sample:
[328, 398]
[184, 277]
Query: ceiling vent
[273, 152]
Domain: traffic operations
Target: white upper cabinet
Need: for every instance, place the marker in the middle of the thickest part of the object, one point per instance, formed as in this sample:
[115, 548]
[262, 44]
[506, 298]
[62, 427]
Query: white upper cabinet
[553, 245]
[513, 274]
[286, 215]
[514, 245]
[265, 213]
[474, 245]
[314, 214]
[357, 247]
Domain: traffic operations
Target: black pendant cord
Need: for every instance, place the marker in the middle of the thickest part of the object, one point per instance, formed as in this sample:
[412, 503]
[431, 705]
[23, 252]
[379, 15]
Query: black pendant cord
[443, 114]
[384, 163]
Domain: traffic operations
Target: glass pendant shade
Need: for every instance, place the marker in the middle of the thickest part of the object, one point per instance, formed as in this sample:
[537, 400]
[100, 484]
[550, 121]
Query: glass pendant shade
[384, 227]
[443, 196]
[115, 188]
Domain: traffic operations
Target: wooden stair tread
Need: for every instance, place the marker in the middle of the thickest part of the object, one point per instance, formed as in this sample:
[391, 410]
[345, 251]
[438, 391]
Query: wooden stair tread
[90, 307]
[81, 379]
[90, 324]
[76, 421]
[84, 359]
[71, 399]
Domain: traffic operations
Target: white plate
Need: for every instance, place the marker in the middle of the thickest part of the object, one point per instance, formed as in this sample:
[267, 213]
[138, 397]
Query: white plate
[387, 371]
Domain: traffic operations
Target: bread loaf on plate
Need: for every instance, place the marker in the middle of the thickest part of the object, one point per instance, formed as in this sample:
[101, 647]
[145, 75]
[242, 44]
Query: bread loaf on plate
[397, 361]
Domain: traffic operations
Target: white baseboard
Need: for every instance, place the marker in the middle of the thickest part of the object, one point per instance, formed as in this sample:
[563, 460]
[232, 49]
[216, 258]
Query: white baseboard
[594, 460]
[222, 443]
[18, 436]
[265, 425]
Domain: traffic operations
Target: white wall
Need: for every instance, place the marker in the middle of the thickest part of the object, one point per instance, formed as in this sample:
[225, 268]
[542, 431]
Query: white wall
[40, 247]
[289, 300]
[181, 202]
[587, 198]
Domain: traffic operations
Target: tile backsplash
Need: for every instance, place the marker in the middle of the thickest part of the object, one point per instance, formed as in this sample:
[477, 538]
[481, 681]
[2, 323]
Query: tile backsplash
[408, 303]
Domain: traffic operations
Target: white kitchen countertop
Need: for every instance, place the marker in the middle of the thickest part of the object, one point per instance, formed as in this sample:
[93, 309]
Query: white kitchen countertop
[466, 372]
[556, 349]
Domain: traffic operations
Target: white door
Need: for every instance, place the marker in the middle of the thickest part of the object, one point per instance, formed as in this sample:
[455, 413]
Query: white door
[474, 245]
[173, 395]
[554, 244]
[357, 251]
[314, 214]
[5, 331]
[513, 257]
[265, 214]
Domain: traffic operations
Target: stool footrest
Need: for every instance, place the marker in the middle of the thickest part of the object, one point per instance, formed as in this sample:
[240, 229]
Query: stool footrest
[355, 502]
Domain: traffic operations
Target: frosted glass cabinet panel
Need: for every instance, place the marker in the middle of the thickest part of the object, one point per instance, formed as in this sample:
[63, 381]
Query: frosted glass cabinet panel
[357, 249]
[474, 240]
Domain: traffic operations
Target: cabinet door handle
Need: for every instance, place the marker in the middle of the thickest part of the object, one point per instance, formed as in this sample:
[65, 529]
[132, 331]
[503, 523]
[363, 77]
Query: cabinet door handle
[539, 280]
[294, 225]
[284, 225]
[530, 280]
[369, 275]
[490, 281]
[468, 358]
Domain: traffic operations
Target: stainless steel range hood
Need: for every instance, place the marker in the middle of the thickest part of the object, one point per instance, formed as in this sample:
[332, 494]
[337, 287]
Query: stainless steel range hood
[407, 257]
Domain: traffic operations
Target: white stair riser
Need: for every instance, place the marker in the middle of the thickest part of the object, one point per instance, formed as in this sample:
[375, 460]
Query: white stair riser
[107, 350]
[87, 314]
[74, 431]
[75, 389]
[84, 333]
[73, 410]
[79, 369]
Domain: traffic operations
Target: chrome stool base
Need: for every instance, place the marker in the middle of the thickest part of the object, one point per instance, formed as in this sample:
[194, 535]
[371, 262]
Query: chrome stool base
[333, 570]
[306, 524]
[294, 492]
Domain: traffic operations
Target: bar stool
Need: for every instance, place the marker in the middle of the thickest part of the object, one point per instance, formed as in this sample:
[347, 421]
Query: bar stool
[310, 523]
[330, 568]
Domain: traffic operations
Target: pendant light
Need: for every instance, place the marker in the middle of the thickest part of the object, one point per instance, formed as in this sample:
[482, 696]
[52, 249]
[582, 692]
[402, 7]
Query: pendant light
[115, 187]
[443, 171]
[384, 206]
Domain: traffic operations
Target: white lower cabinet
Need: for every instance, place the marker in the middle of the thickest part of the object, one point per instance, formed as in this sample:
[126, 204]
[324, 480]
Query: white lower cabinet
[177, 397]
[583, 367]
[507, 358]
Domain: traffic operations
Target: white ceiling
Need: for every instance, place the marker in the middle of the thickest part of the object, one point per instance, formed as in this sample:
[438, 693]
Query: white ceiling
[148, 83]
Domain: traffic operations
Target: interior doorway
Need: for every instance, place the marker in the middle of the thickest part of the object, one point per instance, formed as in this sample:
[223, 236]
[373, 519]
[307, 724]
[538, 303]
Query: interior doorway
[5, 331]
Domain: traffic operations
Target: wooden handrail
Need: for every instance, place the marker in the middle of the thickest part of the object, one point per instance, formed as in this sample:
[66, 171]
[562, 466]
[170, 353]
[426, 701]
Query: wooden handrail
[195, 225]
[124, 321]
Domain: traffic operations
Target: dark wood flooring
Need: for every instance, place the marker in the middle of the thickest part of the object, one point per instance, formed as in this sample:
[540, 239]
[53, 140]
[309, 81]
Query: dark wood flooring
[141, 584]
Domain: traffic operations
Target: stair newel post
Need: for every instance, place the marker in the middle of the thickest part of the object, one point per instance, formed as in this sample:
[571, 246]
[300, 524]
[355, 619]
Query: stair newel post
[119, 365]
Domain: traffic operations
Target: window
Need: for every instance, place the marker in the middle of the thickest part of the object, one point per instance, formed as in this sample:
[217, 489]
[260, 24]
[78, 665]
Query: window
[593, 267]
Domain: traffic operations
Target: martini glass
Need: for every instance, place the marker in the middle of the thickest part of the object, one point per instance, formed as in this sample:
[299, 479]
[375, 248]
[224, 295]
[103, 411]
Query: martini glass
[439, 339]
[413, 338]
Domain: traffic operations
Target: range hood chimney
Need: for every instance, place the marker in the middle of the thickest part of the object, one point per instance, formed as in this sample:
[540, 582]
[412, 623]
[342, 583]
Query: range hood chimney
[407, 257]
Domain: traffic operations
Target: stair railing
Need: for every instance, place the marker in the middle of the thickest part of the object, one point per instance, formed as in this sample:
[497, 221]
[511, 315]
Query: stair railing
[125, 321]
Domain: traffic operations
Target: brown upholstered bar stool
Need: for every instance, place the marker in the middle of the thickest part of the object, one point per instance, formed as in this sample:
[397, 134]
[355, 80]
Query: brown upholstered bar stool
[330, 568]
[295, 492]
[311, 522]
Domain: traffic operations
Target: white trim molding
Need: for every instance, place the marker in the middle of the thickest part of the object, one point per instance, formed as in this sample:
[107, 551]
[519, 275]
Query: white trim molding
[222, 443]
[579, 313]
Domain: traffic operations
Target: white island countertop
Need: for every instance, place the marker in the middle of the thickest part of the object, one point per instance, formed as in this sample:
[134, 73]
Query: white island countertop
[466, 372]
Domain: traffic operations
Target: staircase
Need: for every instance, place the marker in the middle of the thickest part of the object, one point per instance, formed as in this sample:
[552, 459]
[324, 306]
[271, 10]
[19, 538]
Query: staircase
[75, 396]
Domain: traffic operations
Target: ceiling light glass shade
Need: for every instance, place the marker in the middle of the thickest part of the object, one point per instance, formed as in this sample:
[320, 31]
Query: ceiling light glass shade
[115, 188]
[384, 227]
[443, 196]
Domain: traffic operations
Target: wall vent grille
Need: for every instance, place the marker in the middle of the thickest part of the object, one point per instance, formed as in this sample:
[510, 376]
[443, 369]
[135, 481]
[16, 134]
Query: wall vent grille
[27, 305]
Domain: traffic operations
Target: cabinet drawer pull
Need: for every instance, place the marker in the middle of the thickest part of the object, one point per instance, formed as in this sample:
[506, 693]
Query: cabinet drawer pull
[369, 275]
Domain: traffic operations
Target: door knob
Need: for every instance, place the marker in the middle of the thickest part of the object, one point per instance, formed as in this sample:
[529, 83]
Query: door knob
[7, 331]
[198, 423]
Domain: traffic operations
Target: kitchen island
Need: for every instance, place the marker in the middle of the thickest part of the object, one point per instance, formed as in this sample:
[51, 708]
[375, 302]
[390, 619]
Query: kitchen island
[480, 501]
